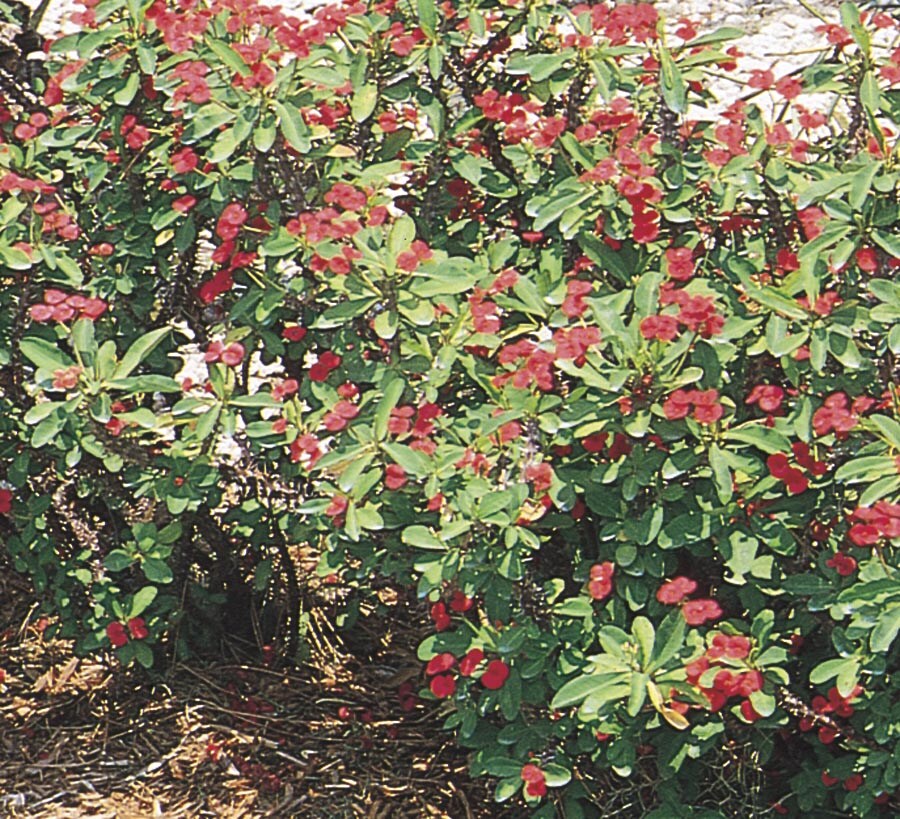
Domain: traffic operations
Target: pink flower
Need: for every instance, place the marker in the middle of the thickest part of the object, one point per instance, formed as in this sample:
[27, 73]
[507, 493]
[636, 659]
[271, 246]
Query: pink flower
[673, 591]
[697, 612]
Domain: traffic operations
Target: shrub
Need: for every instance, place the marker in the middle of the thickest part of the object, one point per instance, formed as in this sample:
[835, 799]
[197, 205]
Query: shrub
[493, 300]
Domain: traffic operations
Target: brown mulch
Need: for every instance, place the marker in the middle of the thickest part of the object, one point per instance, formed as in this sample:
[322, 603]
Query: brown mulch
[82, 737]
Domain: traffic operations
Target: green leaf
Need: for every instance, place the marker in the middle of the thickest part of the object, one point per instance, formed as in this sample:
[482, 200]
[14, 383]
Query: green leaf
[44, 355]
[867, 468]
[885, 631]
[156, 570]
[392, 394]
[363, 102]
[427, 13]
[826, 671]
[294, 129]
[645, 635]
[556, 776]
[674, 90]
[139, 350]
[638, 694]
[229, 56]
[127, 93]
[721, 474]
[422, 538]
[577, 690]
[412, 461]
[717, 36]
[142, 600]
[669, 639]
[118, 560]
[574, 607]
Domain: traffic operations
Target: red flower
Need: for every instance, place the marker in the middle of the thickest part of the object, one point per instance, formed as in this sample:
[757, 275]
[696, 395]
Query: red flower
[443, 686]
[673, 591]
[137, 628]
[440, 617]
[677, 405]
[184, 160]
[116, 633]
[230, 221]
[294, 333]
[842, 563]
[540, 475]
[184, 203]
[697, 612]
[853, 782]
[394, 476]
[600, 584]
[761, 79]
[460, 603]
[440, 664]
[767, 397]
[337, 506]
[534, 779]
[866, 259]
[327, 362]
[495, 675]
[660, 327]
[748, 712]
[680, 263]
[5, 501]
[595, 442]
[470, 662]
[789, 87]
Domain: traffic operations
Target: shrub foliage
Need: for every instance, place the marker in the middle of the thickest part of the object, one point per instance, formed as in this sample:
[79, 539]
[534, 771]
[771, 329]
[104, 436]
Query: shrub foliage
[496, 301]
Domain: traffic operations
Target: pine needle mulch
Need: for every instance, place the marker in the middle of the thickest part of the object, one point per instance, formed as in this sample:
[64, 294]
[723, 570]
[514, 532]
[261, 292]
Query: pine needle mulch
[81, 737]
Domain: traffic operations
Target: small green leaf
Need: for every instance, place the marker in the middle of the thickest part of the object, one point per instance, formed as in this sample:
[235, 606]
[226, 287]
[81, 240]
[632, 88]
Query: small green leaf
[363, 102]
[295, 130]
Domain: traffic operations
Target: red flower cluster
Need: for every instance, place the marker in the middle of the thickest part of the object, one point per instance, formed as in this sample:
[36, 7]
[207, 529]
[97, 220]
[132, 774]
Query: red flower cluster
[697, 612]
[417, 253]
[767, 397]
[230, 221]
[680, 263]
[325, 364]
[336, 418]
[59, 306]
[230, 356]
[875, 523]
[118, 635]
[600, 584]
[617, 22]
[574, 304]
[306, 450]
[443, 683]
[194, 86]
[705, 403]
[833, 703]
[136, 135]
[794, 479]
[674, 591]
[725, 683]
[66, 379]
[837, 415]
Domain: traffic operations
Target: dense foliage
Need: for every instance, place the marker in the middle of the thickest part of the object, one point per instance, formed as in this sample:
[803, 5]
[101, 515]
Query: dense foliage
[496, 301]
